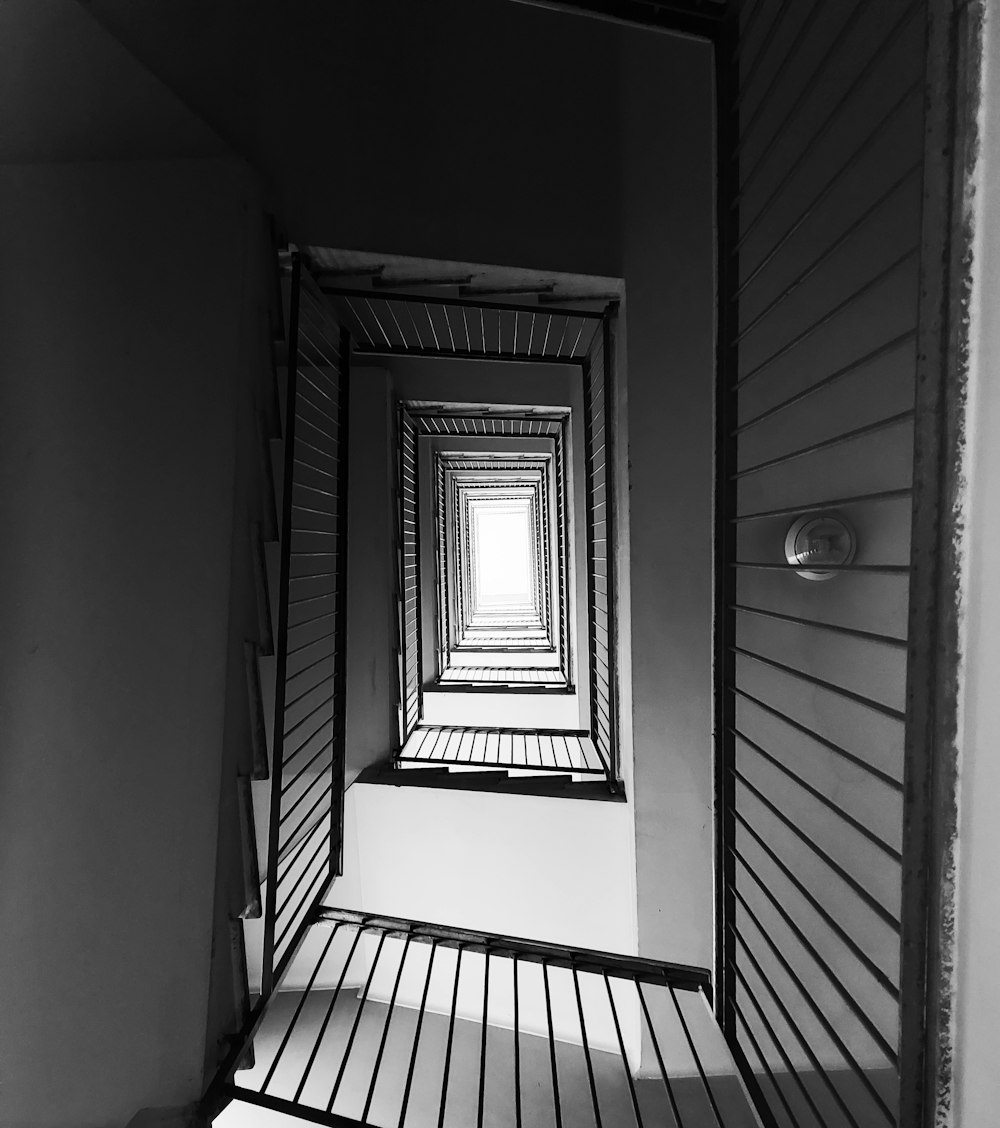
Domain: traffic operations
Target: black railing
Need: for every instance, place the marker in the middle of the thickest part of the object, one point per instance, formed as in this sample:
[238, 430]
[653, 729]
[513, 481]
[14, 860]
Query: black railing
[408, 568]
[555, 750]
[396, 1022]
[821, 145]
[308, 743]
[529, 617]
[424, 325]
[442, 571]
[502, 678]
[465, 470]
[599, 440]
[503, 425]
[415, 325]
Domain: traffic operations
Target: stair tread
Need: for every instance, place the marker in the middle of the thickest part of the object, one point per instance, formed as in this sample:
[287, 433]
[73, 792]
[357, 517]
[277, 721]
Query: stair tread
[500, 782]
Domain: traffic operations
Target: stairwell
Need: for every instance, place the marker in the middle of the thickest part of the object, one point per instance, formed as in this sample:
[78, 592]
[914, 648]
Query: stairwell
[85, 699]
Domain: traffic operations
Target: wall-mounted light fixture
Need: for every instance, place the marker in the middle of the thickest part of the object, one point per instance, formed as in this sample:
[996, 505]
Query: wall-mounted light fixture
[818, 539]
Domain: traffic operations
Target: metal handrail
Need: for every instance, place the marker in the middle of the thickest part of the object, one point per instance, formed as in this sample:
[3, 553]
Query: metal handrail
[307, 760]
[503, 1026]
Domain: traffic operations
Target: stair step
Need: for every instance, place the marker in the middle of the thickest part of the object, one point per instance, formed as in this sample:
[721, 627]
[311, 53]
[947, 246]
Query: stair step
[259, 768]
[265, 618]
[250, 907]
[281, 383]
[550, 784]
[241, 990]
[277, 451]
[498, 687]
[441, 777]
[268, 495]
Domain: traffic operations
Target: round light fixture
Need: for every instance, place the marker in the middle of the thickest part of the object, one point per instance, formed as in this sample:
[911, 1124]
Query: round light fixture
[819, 539]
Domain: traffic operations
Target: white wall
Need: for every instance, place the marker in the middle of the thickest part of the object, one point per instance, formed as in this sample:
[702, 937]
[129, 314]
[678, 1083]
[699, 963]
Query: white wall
[533, 866]
[977, 974]
[556, 870]
[667, 263]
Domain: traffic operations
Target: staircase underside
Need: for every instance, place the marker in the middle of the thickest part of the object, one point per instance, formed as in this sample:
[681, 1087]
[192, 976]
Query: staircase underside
[553, 784]
[493, 679]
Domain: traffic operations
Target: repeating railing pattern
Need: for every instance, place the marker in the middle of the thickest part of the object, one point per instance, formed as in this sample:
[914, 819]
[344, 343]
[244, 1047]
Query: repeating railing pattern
[531, 749]
[566, 604]
[534, 425]
[398, 1023]
[308, 754]
[822, 151]
[599, 435]
[535, 612]
[444, 589]
[417, 325]
[408, 540]
[483, 471]
[502, 676]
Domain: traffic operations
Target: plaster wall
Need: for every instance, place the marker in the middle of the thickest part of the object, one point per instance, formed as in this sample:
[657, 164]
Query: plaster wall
[977, 977]
[119, 339]
[622, 188]
[543, 868]
[556, 870]
[667, 262]
[493, 126]
[444, 110]
[548, 869]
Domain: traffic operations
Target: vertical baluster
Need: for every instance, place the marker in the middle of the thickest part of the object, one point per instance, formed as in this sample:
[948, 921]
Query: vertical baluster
[430, 322]
[298, 1010]
[696, 1056]
[485, 1029]
[586, 1050]
[569, 755]
[517, 1049]
[621, 1047]
[519, 749]
[451, 1034]
[356, 1023]
[416, 1034]
[534, 743]
[465, 747]
[678, 1121]
[385, 1031]
[779, 1092]
[326, 1018]
[552, 1047]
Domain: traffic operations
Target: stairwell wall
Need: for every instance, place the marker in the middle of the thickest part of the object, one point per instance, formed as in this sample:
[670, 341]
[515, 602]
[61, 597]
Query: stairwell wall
[506, 134]
[119, 323]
